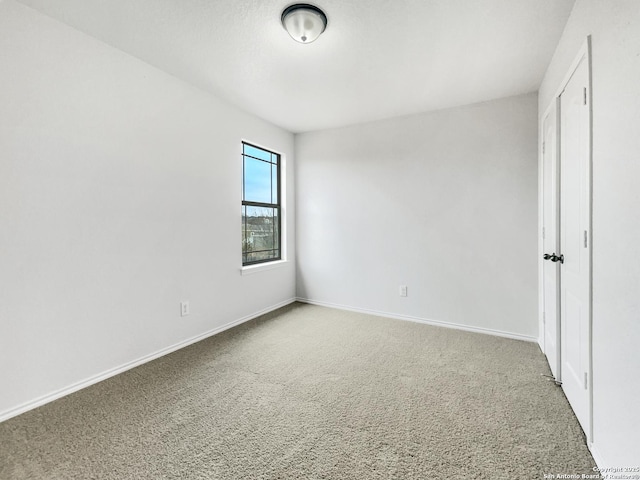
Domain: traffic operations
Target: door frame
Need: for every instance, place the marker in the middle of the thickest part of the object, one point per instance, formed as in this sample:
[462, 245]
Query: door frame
[584, 52]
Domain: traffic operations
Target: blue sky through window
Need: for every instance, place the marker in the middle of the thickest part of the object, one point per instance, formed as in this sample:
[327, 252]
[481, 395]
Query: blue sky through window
[260, 177]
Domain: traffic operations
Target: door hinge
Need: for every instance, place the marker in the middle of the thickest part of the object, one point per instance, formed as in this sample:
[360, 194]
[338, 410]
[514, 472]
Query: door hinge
[585, 380]
[544, 317]
[585, 239]
[585, 95]
[543, 232]
[544, 144]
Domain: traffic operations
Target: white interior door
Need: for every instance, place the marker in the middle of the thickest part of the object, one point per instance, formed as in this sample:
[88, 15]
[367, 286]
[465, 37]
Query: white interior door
[550, 241]
[575, 228]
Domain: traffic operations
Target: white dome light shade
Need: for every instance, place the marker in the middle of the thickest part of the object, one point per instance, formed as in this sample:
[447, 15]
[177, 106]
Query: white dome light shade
[304, 22]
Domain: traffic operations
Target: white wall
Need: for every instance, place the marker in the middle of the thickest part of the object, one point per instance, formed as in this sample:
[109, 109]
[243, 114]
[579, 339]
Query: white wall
[443, 202]
[119, 197]
[615, 30]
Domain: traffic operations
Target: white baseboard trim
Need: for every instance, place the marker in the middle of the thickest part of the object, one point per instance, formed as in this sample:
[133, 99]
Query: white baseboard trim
[597, 457]
[437, 323]
[50, 397]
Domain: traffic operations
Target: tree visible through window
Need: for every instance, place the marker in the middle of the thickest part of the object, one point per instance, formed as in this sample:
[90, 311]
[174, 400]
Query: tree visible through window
[260, 205]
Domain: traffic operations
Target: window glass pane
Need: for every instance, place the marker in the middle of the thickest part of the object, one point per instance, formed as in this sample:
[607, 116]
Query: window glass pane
[257, 152]
[260, 234]
[276, 233]
[245, 243]
[257, 181]
[260, 228]
[274, 183]
[255, 257]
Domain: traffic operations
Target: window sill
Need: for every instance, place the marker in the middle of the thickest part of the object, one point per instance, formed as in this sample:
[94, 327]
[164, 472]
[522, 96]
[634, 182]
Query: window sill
[261, 267]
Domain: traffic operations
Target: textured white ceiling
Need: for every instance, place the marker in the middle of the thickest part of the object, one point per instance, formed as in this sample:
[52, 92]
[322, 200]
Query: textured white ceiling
[377, 58]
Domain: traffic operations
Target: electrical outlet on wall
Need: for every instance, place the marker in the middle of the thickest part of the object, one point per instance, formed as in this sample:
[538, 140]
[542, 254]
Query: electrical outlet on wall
[403, 290]
[184, 308]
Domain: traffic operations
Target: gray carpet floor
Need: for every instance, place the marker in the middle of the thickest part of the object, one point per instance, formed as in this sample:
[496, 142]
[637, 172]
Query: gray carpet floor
[310, 392]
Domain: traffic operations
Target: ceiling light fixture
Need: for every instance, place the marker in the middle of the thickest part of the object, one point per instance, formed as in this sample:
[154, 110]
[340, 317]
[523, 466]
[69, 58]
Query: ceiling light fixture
[304, 22]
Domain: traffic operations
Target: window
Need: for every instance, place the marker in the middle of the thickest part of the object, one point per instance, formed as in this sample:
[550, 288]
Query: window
[260, 205]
